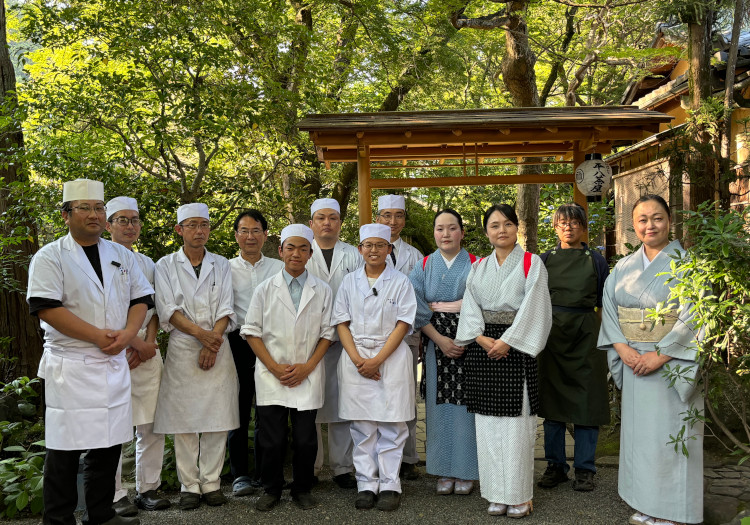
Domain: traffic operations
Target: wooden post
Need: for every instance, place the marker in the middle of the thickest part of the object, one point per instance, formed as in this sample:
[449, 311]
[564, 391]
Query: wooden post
[363, 188]
[578, 157]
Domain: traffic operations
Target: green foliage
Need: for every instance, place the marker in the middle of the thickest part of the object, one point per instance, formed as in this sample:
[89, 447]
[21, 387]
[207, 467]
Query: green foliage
[714, 280]
[21, 477]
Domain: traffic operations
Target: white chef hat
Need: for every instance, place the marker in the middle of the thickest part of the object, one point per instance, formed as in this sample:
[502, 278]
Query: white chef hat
[297, 230]
[83, 189]
[120, 204]
[323, 204]
[194, 209]
[395, 202]
[380, 231]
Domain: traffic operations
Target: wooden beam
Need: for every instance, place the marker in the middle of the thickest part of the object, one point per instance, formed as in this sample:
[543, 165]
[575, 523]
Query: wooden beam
[363, 187]
[403, 164]
[448, 152]
[482, 180]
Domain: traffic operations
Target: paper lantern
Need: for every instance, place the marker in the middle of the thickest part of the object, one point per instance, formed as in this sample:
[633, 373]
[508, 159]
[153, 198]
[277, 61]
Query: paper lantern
[593, 176]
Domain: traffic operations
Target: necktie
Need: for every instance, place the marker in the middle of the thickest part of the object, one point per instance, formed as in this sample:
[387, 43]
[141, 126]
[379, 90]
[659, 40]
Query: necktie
[295, 290]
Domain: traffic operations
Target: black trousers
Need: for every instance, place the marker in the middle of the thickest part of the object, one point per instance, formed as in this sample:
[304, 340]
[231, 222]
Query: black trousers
[61, 490]
[272, 439]
[244, 361]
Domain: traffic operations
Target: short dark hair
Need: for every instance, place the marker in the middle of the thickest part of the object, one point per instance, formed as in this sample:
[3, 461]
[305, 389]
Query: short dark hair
[67, 206]
[505, 209]
[658, 199]
[452, 212]
[570, 212]
[253, 214]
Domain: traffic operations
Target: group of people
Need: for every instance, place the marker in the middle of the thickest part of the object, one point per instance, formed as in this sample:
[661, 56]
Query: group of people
[331, 334]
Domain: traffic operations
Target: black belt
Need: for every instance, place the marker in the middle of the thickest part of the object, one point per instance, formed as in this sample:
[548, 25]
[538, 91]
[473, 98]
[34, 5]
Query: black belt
[572, 309]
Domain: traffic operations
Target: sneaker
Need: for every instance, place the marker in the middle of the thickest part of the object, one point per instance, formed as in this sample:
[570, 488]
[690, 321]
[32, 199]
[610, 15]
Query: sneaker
[552, 477]
[389, 500]
[267, 502]
[584, 481]
[409, 471]
[345, 481]
[150, 500]
[365, 500]
[242, 486]
[123, 507]
[189, 501]
[305, 500]
[215, 498]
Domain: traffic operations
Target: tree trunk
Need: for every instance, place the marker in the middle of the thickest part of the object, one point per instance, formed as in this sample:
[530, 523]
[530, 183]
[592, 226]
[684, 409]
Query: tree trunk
[520, 79]
[703, 166]
[15, 322]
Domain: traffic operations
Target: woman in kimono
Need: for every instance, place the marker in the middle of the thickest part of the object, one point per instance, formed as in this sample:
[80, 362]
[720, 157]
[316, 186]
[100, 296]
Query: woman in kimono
[662, 485]
[439, 282]
[506, 317]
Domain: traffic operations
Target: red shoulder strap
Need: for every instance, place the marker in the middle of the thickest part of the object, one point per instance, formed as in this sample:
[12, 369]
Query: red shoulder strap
[526, 263]
[472, 258]
[424, 263]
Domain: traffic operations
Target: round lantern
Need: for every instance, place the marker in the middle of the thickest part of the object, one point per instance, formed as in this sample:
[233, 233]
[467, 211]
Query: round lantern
[593, 176]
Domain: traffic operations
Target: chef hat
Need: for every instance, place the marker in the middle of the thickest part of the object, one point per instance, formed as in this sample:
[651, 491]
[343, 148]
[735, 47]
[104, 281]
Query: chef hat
[387, 202]
[83, 189]
[119, 204]
[194, 209]
[323, 204]
[297, 230]
[375, 230]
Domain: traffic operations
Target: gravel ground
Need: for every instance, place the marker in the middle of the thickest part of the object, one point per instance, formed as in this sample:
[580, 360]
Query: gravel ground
[559, 506]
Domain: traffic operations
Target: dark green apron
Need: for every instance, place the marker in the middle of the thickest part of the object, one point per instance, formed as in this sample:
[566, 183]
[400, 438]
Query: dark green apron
[572, 372]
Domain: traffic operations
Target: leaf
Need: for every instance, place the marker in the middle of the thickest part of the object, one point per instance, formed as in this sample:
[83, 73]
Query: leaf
[22, 500]
[14, 448]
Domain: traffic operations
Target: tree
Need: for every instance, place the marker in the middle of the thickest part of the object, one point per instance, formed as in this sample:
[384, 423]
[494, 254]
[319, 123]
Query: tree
[17, 230]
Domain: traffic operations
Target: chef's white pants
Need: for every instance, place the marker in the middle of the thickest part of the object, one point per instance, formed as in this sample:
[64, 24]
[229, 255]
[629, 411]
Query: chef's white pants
[149, 454]
[199, 459]
[378, 448]
[339, 448]
[410, 447]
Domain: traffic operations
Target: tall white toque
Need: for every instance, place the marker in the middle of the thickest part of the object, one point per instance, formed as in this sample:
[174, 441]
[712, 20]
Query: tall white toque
[120, 204]
[83, 190]
[297, 230]
[380, 231]
[391, 202]
[194, 209]
[325, 204]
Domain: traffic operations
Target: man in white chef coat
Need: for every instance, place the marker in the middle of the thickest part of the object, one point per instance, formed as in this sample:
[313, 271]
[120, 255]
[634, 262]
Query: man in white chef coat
[249, 269]
[288, 326]
[198, 398]
[403, 257]
[144, 359]
[91, 298]
[331, 260]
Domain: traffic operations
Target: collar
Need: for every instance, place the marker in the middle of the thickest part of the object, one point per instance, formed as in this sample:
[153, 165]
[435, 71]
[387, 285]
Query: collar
[248, 264]
[301, 279]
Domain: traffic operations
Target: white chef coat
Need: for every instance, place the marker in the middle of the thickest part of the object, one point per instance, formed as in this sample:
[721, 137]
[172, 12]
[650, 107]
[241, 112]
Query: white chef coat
[346, 259]
[87, 392]
[372, 319]
[407, 257]
[192, 399]
[290, 336]
[246, 277]
[146, 377]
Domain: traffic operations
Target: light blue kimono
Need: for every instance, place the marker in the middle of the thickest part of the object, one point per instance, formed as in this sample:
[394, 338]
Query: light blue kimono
[653, 478]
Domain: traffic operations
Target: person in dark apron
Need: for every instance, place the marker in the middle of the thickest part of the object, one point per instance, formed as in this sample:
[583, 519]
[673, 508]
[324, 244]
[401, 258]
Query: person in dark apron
[572, 372]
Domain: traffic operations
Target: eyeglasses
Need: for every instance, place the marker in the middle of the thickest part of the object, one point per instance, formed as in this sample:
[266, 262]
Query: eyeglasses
[371, 245]
[389, 216]
[254, 232]
[85, 209]
[196, 226]
[124, 221]
[572, 225]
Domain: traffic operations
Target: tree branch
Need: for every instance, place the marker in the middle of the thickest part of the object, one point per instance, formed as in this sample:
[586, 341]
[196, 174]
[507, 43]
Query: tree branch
[486, 22]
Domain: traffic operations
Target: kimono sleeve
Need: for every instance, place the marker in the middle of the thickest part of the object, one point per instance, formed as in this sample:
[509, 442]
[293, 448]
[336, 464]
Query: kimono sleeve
[166, 302]
[530, 328]
[471, 320]
[225, 306]
[424, 314]
[253, 322]
[609, 332]
[342, 311]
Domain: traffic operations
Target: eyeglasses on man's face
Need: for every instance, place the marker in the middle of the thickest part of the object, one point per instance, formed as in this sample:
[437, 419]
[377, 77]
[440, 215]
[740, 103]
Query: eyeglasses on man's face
[244, 232]
[374, 245]
[196, 225]
[124, 221]
[85, 209]
[572, 225]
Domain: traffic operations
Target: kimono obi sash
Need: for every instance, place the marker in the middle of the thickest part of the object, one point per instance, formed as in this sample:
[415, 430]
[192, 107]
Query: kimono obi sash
[635, 327]
[491, 317]
[452, 307]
